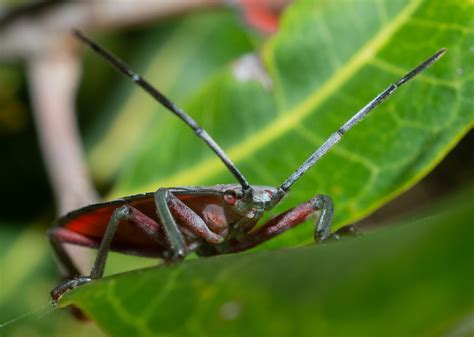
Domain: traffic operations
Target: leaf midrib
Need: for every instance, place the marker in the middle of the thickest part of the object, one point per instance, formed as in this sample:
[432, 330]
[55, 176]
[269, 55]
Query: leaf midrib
[286, 122]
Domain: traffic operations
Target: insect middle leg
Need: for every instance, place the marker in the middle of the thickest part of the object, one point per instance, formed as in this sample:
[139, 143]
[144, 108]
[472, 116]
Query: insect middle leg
[170, 208]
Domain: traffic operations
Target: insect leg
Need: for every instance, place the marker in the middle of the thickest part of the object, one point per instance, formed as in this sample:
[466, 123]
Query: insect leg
[58, 236]
[62, 235]
[177, 245]
[170, 208]
[119, 214]
[272, 228]
[282, 223]
[322, 230]
[324, 204]
[126, 212]
[191, 220]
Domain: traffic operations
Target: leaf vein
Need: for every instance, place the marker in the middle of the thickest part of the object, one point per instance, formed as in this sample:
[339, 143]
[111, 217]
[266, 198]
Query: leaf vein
[283, 124]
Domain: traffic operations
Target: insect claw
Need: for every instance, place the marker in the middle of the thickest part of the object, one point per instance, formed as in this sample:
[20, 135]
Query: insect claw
[175, 255]
[65, 287]
[348, 231]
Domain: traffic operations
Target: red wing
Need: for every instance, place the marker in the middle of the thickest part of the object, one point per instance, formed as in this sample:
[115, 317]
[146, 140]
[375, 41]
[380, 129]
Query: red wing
[92, 221]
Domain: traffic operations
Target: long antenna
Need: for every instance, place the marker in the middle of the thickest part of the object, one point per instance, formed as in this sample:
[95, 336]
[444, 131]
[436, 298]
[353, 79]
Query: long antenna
[336, 136]
[163, 100]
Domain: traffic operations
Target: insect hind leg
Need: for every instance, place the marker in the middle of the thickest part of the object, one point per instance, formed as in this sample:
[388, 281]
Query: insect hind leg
[60, 235]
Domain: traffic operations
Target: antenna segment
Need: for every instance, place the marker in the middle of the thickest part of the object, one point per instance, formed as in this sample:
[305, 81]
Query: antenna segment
[167, 103]
[360, 115]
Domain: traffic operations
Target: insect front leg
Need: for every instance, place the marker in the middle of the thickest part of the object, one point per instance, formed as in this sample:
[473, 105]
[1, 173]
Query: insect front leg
[322, 230]
[285, 221]
[324, 204]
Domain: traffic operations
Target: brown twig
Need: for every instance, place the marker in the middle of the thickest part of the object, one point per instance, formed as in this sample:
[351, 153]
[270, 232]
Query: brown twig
[35, 32]
[53, 81]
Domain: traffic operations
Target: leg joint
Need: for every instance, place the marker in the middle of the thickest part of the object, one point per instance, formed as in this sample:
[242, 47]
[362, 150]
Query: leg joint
[162, 193]
[324, 204]
[123, 212]
[50, 234]
[321, 201]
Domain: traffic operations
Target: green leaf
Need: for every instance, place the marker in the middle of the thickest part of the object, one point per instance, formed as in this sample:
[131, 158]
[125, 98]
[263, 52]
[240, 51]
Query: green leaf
[27, 274]
[411, 280]
[328, 59]
[180, 64]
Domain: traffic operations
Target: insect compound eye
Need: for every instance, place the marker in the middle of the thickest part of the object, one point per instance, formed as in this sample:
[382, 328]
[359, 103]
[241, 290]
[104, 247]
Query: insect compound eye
[270, 193]
[230, 197]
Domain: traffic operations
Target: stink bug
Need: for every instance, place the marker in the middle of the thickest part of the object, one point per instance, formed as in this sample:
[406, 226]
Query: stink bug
[172, 222]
